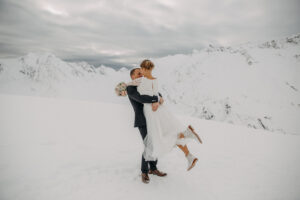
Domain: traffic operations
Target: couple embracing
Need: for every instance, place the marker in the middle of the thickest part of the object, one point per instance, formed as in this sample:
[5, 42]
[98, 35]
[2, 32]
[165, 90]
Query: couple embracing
[160, 129]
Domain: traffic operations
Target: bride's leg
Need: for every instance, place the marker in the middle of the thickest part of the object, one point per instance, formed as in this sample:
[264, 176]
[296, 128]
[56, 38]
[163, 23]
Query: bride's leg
[183, 148]
[191, 159]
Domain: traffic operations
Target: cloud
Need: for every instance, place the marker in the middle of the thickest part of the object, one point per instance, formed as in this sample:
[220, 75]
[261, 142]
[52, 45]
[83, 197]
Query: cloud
[123, 32]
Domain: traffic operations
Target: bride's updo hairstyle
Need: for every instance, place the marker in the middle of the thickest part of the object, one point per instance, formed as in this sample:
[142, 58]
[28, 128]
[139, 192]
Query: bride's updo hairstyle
[147, 64]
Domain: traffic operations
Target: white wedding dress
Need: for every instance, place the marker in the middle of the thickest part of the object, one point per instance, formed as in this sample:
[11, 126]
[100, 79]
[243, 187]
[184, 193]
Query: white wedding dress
[162, 126]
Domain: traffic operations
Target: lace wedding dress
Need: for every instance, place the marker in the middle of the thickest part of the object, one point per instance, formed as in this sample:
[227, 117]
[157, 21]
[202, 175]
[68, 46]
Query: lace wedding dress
[163, 127]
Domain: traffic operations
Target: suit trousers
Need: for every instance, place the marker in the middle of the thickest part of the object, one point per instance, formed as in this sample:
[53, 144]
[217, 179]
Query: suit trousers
[144, 164]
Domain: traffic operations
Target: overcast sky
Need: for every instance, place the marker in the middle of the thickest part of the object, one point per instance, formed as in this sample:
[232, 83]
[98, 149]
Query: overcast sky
[123, 32]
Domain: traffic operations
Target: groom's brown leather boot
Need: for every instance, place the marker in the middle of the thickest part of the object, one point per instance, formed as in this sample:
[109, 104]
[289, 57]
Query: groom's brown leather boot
[157, 173]
[145, 178]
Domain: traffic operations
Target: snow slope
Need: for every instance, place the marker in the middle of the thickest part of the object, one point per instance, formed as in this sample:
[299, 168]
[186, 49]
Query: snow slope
[74, 149]
[254, 84]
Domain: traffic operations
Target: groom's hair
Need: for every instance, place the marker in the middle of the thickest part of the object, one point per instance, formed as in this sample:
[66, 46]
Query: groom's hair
[132, 71]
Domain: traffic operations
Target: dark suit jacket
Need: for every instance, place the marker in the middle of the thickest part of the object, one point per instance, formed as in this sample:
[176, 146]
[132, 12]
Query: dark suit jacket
[137, 101]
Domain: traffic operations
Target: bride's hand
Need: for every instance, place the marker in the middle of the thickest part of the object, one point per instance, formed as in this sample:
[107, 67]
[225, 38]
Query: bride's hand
[161, 101]
[155, 106]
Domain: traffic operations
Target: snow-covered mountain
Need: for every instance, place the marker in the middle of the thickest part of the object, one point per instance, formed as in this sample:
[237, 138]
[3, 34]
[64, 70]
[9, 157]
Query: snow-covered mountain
[44, 74]
[253, 84]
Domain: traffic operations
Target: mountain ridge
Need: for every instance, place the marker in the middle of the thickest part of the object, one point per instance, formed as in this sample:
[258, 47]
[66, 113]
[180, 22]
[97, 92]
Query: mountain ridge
[254, 84]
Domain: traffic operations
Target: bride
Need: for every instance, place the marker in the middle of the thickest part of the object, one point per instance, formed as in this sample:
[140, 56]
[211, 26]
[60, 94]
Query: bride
[165, 131]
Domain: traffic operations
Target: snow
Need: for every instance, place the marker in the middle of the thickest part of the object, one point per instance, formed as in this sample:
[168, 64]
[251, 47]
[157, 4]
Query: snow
[64, 134]
[255, 84]
[55, 148]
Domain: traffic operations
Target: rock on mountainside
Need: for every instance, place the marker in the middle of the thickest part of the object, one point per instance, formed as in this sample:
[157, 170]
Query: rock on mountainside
[253, 84]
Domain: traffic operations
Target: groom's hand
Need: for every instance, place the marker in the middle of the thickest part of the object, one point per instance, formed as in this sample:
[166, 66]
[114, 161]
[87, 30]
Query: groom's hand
[155, 106]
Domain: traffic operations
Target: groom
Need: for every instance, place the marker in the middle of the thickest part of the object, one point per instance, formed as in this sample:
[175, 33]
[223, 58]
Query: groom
[137, 101]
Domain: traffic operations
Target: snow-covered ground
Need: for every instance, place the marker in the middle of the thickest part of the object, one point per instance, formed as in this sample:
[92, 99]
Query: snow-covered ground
[54, 148]
[254, 84]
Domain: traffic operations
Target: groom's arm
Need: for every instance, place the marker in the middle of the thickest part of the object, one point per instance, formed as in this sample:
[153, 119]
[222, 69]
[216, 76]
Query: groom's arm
[135, 95]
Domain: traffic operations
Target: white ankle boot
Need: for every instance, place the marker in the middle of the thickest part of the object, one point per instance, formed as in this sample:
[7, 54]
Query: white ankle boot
[191, 161]
[190, 133]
